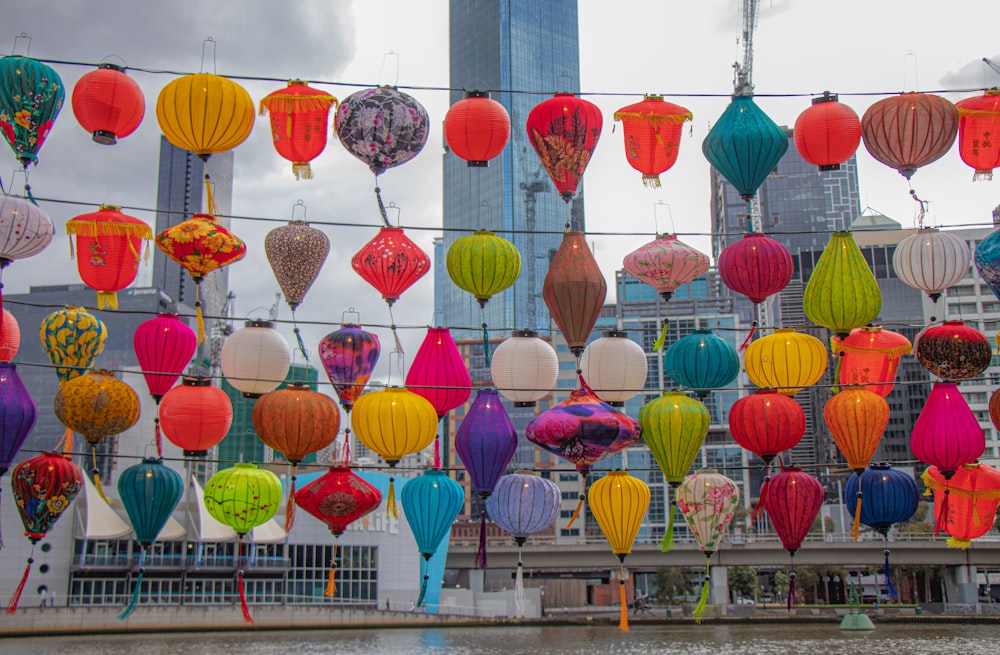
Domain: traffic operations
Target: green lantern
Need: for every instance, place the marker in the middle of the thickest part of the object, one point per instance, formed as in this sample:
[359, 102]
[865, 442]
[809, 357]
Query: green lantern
[674, 427]
[483, 264]
[842, 293]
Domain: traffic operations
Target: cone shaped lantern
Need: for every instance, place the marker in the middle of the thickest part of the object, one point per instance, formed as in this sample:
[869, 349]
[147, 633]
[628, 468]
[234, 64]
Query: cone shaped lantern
[574, 290]
[744, 145]
[842, 293]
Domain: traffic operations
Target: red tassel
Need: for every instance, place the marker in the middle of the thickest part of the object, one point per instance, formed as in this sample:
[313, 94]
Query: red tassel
[942, 515]
[481, 553]
[290, 507]
[243, 592]
[345, 452]
[159, 437]
[759, 507]
[746, 342]
[437, 452]
[12, 605]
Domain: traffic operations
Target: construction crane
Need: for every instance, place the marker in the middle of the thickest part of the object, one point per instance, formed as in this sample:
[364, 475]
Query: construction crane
[995, 67]
[743, 76]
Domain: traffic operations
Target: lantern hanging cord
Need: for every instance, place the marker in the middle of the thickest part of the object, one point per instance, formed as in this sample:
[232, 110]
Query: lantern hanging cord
[381, 206]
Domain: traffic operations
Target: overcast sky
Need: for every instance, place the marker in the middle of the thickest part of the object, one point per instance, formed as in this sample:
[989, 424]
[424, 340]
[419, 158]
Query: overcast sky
[671, 48]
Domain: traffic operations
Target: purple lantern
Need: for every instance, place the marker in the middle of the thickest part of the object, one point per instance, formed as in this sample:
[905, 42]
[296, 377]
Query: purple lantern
[17, 414]
[349, 356]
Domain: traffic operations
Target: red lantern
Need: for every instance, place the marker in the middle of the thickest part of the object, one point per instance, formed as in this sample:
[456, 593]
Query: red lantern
[338, 498]
[299, 119]
[756, 266]
[477, 128]
[108, 245]
[652, 136]
[195, 415]
[965, 503]
[108, 104]
[574, 290]
[827, 133]
[164, 347]
[979, 133]
[947, 434]
[953, 351]
[767, 423]
[564, 131]
[869, 356]
[391, 263]
[792, 500]
[910, 130]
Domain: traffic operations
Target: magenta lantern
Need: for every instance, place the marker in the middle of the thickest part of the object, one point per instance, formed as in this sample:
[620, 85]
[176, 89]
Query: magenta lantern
[756, 266]
[164, 347]
[947, 434]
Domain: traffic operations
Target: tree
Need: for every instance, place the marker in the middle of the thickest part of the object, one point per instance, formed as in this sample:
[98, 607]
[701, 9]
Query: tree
[742, 580]
[919, 523]
[671, 582]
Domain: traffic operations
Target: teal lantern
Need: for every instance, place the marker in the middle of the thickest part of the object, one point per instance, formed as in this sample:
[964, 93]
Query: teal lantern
[431, 503]
[31, 95]
[745, 145]
[701, 361]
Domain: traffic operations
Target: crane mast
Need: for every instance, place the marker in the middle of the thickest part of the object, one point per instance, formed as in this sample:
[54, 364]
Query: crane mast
[994, 66]
[743, 82]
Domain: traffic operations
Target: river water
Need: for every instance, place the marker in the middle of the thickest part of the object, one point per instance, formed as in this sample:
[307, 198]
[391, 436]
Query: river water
[775, 639]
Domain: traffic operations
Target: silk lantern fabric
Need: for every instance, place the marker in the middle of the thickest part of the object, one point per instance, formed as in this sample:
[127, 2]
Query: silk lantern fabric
[674, 427]
[391, 262]
[564, 131]
[73, 338]
[652, 130]
[701, 361]
[349, 356]
[204, 113]
[150, 492]
[438, 372]
[767, 423]
[842, 292]
[953, 351]
[299, 118]
[786, 360]
[524, 368]
[108, 103]
[296, 421]
[31, 95]
[965, 502]
[615, 367]
[431, 503]
[947, 434]
[17, 414]
[524, 504]
[383, 127]
[856, 418]
[201, 245]
[869, 356]
[792, 502]
[889, 497]
[108, 247]
[756, 266]
[708, 501]
[255, 359]
[978, 125]
[485, 441]
[910, 130]
[744, 145]
[987, 258]
[665, 264]
[97, 405]
[296, 253]
[394, 422]
[338, 498]
[931, 261]
[827, 133]
[164, 346]
[483, 264]
[477, 128]
[243, 497]
[195, 415]
[25, 230]
[574, 290]
[10, 336]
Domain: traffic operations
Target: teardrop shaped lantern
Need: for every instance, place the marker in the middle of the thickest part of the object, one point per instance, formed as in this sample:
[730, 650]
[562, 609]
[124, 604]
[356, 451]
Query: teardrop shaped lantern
[108, 104]
[665, 264]
[953, 351]
[391, 262]
[931, 261]
[842, 292]
[477, 128]
[910, 130]
[652, 130]
[856, 418]
[756, 266]
[745, 145]
[17, 414]
[619, 502]
[431, 503]
[786, 360]
[204, 113]
[767, 423]
[524, 368]
[10, 336]
[869, 357]
[564, 131]
[965, 503]
[792, 501]
[383, 127]
[164, 346]
[108, 247]
[828, 133]
[73, 338]
[255, 359]
[615, 367]
[483, 264]
[702, 362]
[349, 356]
[25, 230]
[947, 434]
[300, 115]
[978, 126]
[296, 253]
[987, 258]
[195, 416]
[574, 290]
[31, 95]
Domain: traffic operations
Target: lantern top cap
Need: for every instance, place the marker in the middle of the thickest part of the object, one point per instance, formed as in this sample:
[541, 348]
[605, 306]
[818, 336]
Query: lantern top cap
[476, 93]
[652, 97]
[784, 330]
[826, 97]
[259, 323]
[524, 333]
[196, 381]
[152, 460]
[106, 65]
[707, 472]
[245, 466]
[297, 82]
[615, 334]
[527, 472]
[617, 473]
[109, 208]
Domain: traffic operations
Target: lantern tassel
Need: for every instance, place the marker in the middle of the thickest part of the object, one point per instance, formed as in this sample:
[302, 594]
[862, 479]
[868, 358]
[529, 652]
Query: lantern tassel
[331, 582]
[955, 542]
[390, 501]
[107, 300]
[942, 516]
[623, 616]
[302, 170]
[16, 597]
[381, 206]
[658, 345]
[423, 584]
[651, 182]
[437, 452]
[486, 341]
[668, 535]
[857, 515]
[481, 552]
[791, 590]
[66, 443]
[982, 176]
[519, 587]
[345, 452]
[210, 207]
[299, 341]
[197, 311]
[290, 505]
[136, 589]
[247, 617]
[759, 507]
[746, 342]
[579, 505]
[158, 436]
[71, 253]
[699, 609]
[890, 590]
[96, 472]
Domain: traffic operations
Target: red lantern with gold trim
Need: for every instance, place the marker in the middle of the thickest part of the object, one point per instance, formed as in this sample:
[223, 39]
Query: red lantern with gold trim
[108, 247]
[108, 104]
[979, 133]
[338, 498]
[652, 136]
[300, 115]
[965, 502]
[477, 128]
[869, 356]
[564, 131]
[827, 133]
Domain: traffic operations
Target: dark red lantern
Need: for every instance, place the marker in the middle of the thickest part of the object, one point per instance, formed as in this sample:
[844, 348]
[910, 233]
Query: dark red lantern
[652, 136]
[564, 131]
[792, 501]
[477, 128]
[869, 356]
[108, 247]
[910, 130]
[767, 423]
[108, 104]
[827, 133]
[195, 415]
[391, 263]
[574, 290]
[300, 115]
[979, 133]
[953, 350]
[756, 266]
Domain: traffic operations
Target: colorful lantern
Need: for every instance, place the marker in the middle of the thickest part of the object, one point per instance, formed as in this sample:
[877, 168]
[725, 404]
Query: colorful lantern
[619, 503]
[31, 95]
[965, 502]
[108, 104]
[383, 127]
[665, 264]
[946, 434]
[483, 264]
[842, 292]
[931, 261]
[431, 503]
[108, 245]
[10, 336]
[349, 356]
[564, 131]
[391, 263]
[615, 367]
[786, 360]
[792, 500]
[978, 124]
[767, 423]
[476, 128]
[296, 253]
[994, 408]
[73, 338]
[869, 356]
[574, 290]
[953, 351]
[299, 118]
[524, 368]
[828, 133]
[255, 359]
[17, 414]
[195, 416]
[164, 346]
[756, 266]
[25, 230]
[44, 487]
[701, 361]
[987, 258]
[910, 130]
[856, 419]
[652, 136]
[745, 145]
[204, 113]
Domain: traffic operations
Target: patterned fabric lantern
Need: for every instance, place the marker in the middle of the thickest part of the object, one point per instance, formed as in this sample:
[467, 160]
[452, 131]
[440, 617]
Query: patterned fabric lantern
[195, 415]
[205, 113]
[786, 360]
[31, 95]
[524, 368]
[615, 367]
[383, 127]
[10, 336]
[25, 230]
[44, 487]
[574, 290]
[978, 125]
[745, 145]
[108, 104]
[255, 359]
[965, 502]
[477, 128]
[708, 501]
[73, 338]
[701, 361]
[841, 293]
[164, 346]
[652, 135]
[483, 264]
[150, 493]
[910, 130]
[564, 131]
[931, 261]
[108, 245]
[953, 351]
[869, 356]
[619, 503]
[827, 133]
[349, 356]
[391, 263]
[296, 253]
[665, 264]
[17, 414]
[767, 423]
[947, 434]
[299, 118]
[792, 502]
[431, 503]
[987, 258]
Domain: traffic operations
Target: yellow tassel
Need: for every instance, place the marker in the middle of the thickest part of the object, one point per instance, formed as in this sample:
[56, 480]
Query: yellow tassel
[94, 229]
[100, 488]
[576, 512]
[623, 617]
[658, 346]
[651, 181]
[107, 300]
[209, 198]
[197, 312]
[390, 502]
[66, 443]
[302, 170]
[291, 103]
[331, 583]
[857, 519]
[655, 119]
[959, 543]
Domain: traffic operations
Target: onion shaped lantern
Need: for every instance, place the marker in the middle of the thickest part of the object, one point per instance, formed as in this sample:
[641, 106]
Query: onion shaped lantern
[10, 336]
[701, 361]
[615, 367]
[745, 145]
[652, 131]
[195, 416]
[483, 264]
[391, 262]
[108, 104]
[300, 115]
[164, 346]
[73, 338]
[564, 131]
[524, 368]
[108, 247]
[296, 253]
[953, 351]
[767, 423]
[349, 356]
[786, 360]
[965, 503]
[869, 357]
[255, 359]
[987, 258]
[574, 290]
[931, 261]
[477, 128]
[842, 292]
[31, 95]
[910, 130]
[25, 230]
[205, 113]
[665, 264]
[756, 266]
[17, 414]
[828, 133]
[792, 501]
[947, 434]
[978, 126]
[431, 503]
[383, 127]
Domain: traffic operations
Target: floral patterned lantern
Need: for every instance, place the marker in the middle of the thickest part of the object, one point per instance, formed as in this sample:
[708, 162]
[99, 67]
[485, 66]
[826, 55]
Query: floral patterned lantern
[524, 368]
[744, 145]
[869, 356]
[786, 360]
[477, 128]
[564, 131]
[108, 104]
[17, 414]
[701, 361]
[204, 113]
[25, 230]
[615, 367]
[665, 263]
[987, 258]
[842, 292]
[931, 261]
[947, 434]
[108, 245]
[792, 502]
[383, 127]
[652, 131]
[73, 338]
[195, 416]
[953, 351]
[299, 118]
[10, 336]
[391, 263]
[574, 290]
[31, 95]
[978, 125]
[827, 133]
[767, 423]
[910, 130]
[255, 359]
[431, 503]
[965, 502]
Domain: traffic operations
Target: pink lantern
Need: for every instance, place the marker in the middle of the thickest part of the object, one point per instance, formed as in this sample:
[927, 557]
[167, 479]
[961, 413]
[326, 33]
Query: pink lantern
[164, 347]
[665, 264]
[947, 434]
[10, 336]
[756, 266]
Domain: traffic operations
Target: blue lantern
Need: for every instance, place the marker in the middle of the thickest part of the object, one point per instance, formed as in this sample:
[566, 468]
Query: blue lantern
[431, 503]
[701, 361]
[31, 95]
[745, 145]
[988, 261]
[17, 414]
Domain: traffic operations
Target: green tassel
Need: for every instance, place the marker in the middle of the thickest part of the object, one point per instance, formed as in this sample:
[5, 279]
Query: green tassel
[668, 536]
[486, 344]
[423, 592]
[699, 609]
[658, 346]
[136, 591]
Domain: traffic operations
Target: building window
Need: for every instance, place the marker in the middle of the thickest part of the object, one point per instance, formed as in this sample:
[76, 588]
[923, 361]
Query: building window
[356, 576]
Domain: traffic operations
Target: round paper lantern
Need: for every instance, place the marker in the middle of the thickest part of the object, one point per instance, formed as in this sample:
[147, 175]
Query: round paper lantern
[615, 367]
[946, 434]
[31, 95]
[204, 113]
[485, 441]
[476, 128]
[17, 414]
[953, 351]
[910, 130]
[108, 246]
[338, 498]
[744, 145]
[827, 133]
[987, 258]
[25, 230]
[792, 500]
[869, 356]
[931, 261]
[652, 131]
[296, 253]
[767, 423]
[349, 356]
[564, 131]
[10, 336]
[108, 104]
[842, 292]
[524, 368]
[431, 503]
[665, 264]
[96, 405]
[383, 127]
[299, 118]
[164, 346]
[391, 263]
[756, 266]
[619, 503]
[483, 264]
[701, 361]
[574, 290]
[965, 503]
[786, 360]
[73, 338]
[890, 497]
[255, 359]
[978, 125]
[856, 419]
[195, 415]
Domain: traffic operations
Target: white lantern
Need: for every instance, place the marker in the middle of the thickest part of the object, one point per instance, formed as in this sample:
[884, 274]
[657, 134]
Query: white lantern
[615, 367]
[256, 359]
[25, 230]
[524, 368]
[931, 261]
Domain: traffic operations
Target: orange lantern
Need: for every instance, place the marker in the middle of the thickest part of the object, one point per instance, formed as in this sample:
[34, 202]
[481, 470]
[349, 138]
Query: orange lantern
[108, 245]
[477, 128]
[299, 119]
[869, 356]
[965, 503]
[652, 136]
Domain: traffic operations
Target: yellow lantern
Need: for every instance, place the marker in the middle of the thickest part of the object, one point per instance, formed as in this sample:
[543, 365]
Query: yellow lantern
[619, 503]
[787, 360]
[842, 292]
[205, 113]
